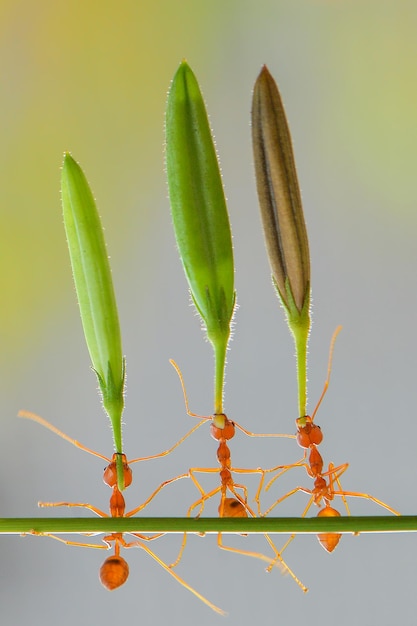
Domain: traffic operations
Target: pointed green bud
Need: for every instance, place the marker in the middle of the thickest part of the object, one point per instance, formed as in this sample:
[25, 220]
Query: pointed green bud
[94, 286]
[199, 214]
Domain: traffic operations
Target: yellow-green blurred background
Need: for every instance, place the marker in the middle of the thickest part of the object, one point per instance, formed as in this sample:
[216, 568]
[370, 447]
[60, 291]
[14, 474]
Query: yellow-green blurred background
[91, 77]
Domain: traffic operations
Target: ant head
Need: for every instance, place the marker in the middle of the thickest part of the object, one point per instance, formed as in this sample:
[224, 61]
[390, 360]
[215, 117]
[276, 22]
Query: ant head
[328, 540]
[110, 472]
[114, 572]
[225, 431]
[230, 507]
[308, 432]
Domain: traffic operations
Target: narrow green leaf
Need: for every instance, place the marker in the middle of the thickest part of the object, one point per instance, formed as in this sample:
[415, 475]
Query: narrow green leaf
[94, 286]
[282, 216]
[199, 214]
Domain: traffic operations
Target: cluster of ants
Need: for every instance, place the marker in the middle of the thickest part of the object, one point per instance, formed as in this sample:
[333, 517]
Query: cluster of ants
[233, 496]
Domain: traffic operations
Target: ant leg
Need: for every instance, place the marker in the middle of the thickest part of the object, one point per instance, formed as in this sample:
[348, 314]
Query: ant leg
[40, 420]
[172, 573]
[292, 537]
[179, 442]
[284, 469]
[251, 434]
[139, 508]
[243, 500]
[284, 497]
[180, 553]
[329, 369]
[187, 408]
[151, 497]
[355, 494]
[334, 474]
[146, 537]
[70, 543]
[277, 562]
[81, 505]
[204, 495]
[200, 502]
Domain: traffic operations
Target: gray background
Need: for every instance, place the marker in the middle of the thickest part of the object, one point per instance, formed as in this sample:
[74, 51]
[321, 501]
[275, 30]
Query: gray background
[347, 74]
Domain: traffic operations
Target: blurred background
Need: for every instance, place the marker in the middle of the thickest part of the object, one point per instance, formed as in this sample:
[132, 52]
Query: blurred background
[92, 77]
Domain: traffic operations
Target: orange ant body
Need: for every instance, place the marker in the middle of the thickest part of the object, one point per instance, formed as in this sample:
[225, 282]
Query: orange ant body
[309, 436]
[222, 430]
[115, 570]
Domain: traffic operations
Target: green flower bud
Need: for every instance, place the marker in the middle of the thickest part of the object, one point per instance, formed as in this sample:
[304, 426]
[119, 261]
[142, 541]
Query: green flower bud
[94, 286]
[199, 214]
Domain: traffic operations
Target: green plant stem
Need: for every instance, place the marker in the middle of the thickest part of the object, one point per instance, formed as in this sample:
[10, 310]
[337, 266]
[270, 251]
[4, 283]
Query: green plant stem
[220, 349]
[301, 340]
[270, 525]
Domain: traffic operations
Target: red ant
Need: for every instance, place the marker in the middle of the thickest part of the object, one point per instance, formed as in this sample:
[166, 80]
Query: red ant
[115, 570]
[222, 430]
[309, 436]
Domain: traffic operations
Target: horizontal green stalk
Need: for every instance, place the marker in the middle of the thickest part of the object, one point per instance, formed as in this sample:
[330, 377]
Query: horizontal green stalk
[270, 525]
[96, 299]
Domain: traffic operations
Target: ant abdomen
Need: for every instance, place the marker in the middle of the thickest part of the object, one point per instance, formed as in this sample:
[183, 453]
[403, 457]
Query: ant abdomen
[230, 507]
[114, 572]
